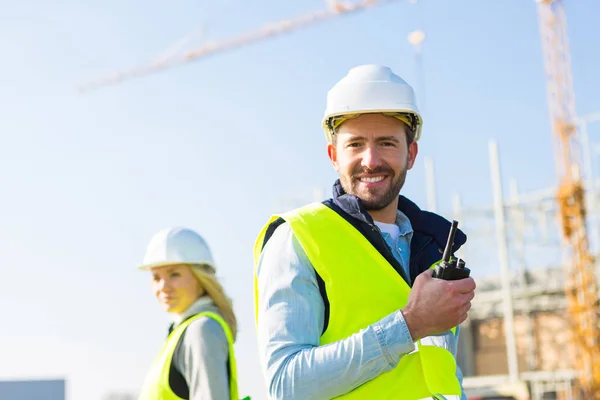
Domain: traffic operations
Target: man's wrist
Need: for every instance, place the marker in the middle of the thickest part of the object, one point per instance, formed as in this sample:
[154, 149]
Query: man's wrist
[413, 324]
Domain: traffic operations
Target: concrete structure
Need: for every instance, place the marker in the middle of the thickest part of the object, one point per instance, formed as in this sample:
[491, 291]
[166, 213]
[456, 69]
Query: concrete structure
[51, 389]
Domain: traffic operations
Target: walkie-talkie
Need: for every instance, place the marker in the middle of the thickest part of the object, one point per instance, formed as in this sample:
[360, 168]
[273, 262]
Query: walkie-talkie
[450, 268]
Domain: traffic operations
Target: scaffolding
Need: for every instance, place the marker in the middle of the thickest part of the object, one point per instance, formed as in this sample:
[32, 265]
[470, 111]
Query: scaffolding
[522, 227]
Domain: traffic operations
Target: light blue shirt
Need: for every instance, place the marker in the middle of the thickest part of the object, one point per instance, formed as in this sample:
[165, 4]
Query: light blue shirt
[290, 323]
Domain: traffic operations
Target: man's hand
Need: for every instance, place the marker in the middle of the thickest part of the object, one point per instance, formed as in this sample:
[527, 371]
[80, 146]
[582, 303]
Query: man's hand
[436, 305]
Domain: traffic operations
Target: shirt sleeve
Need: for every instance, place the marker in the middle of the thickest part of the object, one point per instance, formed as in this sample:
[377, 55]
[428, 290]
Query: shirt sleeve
[290, 322]
[202, 359]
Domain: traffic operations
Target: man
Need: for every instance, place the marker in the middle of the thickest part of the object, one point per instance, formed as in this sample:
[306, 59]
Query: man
[346, 304]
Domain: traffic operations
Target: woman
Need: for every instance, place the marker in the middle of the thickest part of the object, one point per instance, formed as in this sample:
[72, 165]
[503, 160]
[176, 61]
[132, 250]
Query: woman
[197, 361]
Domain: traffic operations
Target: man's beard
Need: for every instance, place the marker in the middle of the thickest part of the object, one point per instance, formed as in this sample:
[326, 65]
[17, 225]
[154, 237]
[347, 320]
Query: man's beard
[375, 202]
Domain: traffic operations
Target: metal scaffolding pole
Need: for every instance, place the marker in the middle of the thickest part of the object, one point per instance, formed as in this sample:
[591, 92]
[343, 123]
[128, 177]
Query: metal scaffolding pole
[509, 329]
[430, 184]
[520, 226]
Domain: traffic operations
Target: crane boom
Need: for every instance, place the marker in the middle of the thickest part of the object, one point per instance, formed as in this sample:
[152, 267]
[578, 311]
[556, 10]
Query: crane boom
[581, 288]
[267, 31]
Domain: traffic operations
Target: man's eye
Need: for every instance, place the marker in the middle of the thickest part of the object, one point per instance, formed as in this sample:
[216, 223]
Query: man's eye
[175, 275]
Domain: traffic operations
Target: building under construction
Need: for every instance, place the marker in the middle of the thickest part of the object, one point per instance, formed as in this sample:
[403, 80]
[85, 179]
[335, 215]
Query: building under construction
[520, 341]
[542, 342]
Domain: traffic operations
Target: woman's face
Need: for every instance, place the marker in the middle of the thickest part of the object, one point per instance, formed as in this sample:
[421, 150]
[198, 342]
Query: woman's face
[175, 287]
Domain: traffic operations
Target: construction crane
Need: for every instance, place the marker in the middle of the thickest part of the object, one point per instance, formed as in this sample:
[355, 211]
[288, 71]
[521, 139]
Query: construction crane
[269, 30]
[581, 288]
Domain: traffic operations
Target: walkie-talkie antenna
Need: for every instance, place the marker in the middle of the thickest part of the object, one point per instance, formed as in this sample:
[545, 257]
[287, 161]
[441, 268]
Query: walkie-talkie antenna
[450, 242]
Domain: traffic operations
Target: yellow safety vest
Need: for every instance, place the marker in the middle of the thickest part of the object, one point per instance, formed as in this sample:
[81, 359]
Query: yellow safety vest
[362, 288]
[156, 385]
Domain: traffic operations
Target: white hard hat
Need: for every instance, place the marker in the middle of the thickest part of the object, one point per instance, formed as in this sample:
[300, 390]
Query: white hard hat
[177, 246]
[371, 89]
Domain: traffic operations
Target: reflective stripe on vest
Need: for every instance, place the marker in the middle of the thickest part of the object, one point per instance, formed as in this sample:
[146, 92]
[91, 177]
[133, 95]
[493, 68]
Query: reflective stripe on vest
[362, 288]
[156, 385]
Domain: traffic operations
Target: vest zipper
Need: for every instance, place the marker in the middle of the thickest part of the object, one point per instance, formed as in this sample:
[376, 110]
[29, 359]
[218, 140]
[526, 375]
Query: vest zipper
[414, 256]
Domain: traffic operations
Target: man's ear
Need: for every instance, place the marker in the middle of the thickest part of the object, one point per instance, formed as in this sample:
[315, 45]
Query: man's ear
[332, 153]
[413, 150]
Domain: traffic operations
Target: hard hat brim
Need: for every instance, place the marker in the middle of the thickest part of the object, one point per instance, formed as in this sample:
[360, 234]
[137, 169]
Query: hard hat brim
[148, 267]
[328, 132]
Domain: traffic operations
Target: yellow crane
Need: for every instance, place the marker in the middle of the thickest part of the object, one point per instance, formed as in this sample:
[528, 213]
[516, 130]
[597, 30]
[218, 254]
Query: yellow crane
[581, 287]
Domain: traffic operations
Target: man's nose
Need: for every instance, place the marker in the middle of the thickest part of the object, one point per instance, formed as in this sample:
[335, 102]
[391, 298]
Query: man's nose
[370, 157]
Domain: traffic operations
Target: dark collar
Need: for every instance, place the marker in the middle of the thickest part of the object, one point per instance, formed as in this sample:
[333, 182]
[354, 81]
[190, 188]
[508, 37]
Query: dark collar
[425, 222]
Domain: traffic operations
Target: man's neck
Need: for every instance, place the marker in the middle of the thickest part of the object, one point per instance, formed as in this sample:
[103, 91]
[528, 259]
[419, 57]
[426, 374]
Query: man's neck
[386, 215]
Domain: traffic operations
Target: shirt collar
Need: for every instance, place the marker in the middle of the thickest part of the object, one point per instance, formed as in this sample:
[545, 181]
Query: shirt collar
[403, 223]
[202, 304]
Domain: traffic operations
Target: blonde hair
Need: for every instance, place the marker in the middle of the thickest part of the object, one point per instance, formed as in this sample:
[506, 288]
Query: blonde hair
[207, 278]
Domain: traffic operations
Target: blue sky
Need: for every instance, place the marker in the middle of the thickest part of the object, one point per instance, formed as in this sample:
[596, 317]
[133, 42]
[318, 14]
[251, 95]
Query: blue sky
[217, 143]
